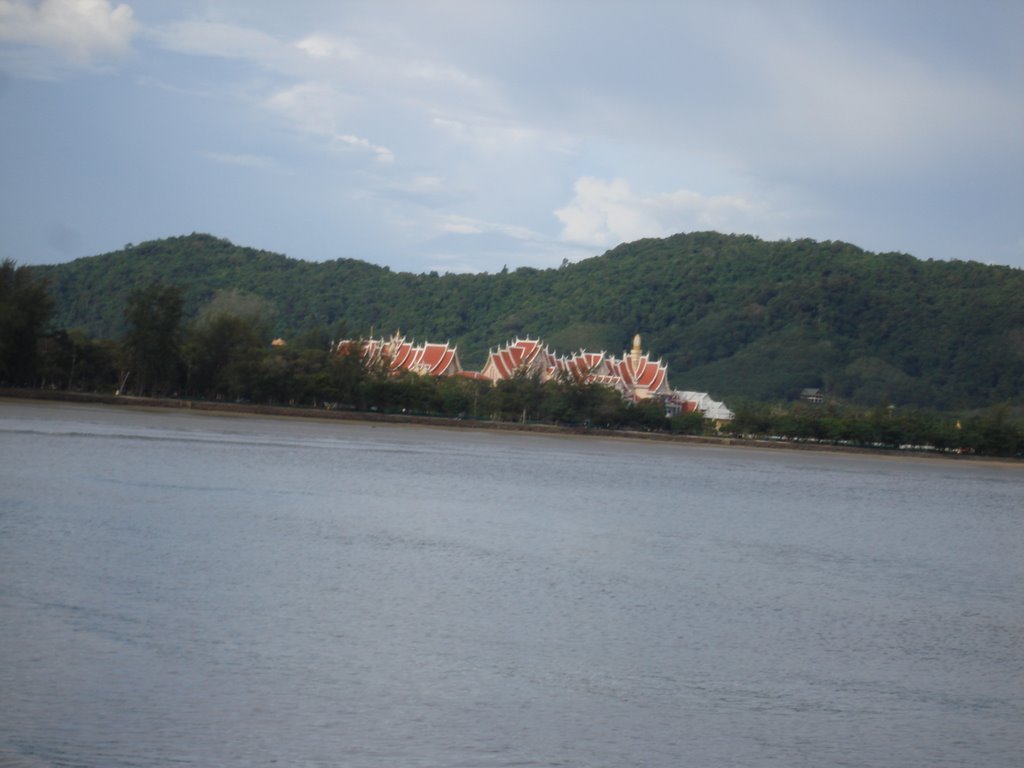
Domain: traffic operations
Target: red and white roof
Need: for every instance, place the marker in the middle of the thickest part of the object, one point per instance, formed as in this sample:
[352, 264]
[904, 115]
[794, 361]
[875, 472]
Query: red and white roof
[635, 375]
[642, 376]
[520, 357]
[428, 359]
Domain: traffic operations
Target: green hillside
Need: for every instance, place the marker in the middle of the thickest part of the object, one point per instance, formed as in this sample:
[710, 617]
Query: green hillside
[733, 315]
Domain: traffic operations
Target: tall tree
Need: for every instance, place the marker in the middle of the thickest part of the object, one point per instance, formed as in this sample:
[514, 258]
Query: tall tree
[153, 342]
[25, 307]
[226, 344]
[224, 352]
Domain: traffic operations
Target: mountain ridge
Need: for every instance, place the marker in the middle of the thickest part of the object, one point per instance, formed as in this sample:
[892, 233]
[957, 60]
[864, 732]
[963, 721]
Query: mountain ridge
[731, 314]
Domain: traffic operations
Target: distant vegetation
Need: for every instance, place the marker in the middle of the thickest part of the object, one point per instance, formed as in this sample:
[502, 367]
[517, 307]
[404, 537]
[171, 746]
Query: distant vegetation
[905, 351]
[732, 315]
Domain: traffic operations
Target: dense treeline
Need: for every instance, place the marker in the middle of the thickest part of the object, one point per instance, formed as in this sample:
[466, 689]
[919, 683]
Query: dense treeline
[993, 431]
[224, 352]
[732, 315]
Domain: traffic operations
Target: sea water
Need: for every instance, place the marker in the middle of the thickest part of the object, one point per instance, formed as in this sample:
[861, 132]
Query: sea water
[206, 590]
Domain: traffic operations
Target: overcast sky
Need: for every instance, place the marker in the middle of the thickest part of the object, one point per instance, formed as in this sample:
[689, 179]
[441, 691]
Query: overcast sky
[464, 136]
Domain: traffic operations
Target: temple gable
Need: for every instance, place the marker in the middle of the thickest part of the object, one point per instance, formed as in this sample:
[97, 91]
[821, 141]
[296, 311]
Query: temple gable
[399, 355]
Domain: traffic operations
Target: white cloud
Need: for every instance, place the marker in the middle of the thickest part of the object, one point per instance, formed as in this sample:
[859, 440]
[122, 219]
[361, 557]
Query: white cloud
[432, 72]
[332, 77]
[426, 185]
[357, 64]
[313, 107]
[81, 30]
[466, 225]
[375, 63]
[383, 154]
[352, 90]
[486, 134]
[605, 213]
[320, 46]
[491, 135]
[318, 109]
[459, 226]
[203, 38]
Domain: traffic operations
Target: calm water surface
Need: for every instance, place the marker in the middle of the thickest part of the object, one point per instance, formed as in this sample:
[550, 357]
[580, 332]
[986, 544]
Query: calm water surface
[200, 590]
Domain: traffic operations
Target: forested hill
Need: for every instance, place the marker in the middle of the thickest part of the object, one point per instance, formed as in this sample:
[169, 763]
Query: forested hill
[733, 315]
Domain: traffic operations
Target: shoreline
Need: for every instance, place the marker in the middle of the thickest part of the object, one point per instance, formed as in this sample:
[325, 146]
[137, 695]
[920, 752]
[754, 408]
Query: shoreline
[367, 417]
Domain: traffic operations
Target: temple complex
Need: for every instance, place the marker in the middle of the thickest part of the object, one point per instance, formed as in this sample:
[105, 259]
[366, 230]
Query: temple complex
[635, 376]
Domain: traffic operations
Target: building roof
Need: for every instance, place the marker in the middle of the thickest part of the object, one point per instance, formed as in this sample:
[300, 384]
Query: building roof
[399, 355]
[521, 356]
[640, 372]
[711, 409]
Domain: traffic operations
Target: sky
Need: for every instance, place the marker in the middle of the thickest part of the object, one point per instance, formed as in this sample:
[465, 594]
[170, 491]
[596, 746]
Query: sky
[469, 136]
